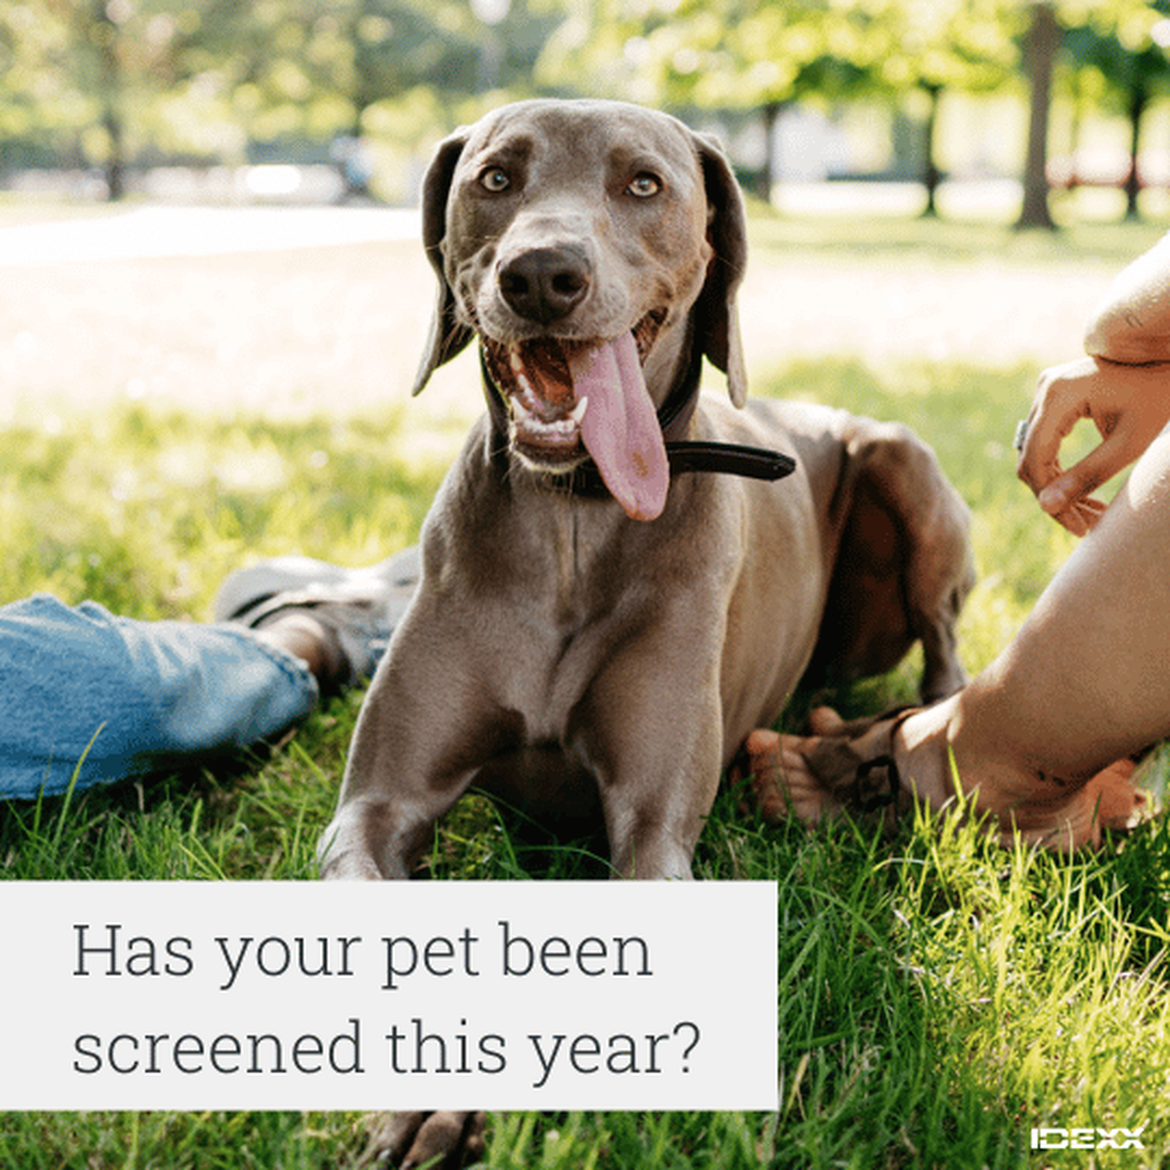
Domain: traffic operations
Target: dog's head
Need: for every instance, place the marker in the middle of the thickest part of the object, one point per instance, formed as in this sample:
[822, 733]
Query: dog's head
[595, 248]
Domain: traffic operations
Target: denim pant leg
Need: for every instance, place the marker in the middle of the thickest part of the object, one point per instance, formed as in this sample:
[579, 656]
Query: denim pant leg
[125, 697]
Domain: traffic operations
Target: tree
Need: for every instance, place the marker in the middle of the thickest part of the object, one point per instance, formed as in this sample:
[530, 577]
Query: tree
[313, 69]
[1041, 44]
[727, 55]
[111, 82]
[738, 54]
[936, 48]
[1133, 66]
[83, 79]
[31, 94]
[67, 68]
[1053, 22]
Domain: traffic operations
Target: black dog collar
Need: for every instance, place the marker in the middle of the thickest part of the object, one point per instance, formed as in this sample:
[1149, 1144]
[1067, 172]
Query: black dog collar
[682, 455]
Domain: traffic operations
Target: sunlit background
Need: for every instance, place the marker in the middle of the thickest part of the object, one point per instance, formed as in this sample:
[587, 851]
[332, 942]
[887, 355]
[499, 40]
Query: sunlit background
[212, 302]
[961, 106]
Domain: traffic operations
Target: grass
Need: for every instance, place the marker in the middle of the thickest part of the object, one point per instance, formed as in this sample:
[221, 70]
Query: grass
[938, 996]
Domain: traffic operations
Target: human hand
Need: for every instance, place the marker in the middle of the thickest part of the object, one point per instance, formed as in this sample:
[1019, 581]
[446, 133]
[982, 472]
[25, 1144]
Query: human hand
[1128, 404]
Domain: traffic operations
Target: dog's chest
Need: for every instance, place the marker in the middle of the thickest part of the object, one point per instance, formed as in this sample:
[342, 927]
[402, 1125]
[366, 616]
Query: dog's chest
[581, 599]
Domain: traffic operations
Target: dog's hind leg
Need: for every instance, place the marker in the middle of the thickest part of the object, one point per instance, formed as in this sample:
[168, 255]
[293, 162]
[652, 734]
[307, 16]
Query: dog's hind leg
[903, 567]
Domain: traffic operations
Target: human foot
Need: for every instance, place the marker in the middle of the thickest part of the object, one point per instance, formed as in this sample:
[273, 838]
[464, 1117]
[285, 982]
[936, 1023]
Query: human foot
[841, 766]
[836, 767]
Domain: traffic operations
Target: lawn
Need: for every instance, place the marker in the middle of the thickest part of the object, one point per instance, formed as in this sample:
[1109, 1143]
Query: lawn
[939, 997]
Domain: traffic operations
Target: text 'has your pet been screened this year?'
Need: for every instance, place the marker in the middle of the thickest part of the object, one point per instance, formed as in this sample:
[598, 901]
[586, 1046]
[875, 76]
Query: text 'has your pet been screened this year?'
[338, 995]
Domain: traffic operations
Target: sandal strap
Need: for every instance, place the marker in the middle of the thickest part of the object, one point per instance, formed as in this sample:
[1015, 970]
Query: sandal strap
[866, 782]
[864, 796]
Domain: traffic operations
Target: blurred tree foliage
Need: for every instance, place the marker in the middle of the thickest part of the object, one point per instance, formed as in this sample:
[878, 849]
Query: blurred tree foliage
[738, 54]
[110, 82]
[1119, 68]
[746, 55]
[107, 81]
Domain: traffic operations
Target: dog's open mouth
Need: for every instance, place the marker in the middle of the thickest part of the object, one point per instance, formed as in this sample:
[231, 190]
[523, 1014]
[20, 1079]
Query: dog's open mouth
[569, 399]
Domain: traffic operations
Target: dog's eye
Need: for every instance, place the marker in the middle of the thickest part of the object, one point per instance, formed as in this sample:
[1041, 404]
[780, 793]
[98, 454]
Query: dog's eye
[495, 179]
[644, 186]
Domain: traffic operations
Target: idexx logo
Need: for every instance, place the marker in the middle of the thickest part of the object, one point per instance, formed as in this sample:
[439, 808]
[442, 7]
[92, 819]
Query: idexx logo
[1088, 1139]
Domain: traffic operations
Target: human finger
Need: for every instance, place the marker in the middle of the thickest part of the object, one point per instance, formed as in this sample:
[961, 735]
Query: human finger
[1061, 400]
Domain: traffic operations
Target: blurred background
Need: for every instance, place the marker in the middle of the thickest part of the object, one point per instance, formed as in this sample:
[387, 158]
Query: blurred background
[209, 231]
[1006, 109]
[212, 303]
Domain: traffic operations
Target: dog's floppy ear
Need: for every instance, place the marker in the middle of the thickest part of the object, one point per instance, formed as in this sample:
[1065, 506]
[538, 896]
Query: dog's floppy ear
[448, 337]
[717, 318]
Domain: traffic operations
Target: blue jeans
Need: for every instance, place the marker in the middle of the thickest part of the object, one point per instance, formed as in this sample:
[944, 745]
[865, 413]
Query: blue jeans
[84, 692]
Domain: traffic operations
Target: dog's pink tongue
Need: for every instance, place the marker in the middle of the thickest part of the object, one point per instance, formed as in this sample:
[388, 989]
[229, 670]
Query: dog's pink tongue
[620, 427]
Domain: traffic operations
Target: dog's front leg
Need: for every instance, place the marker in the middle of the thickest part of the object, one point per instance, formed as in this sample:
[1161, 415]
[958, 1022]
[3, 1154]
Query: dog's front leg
[423, 732]
[653, 738]
[427, 726]
[407, 1140]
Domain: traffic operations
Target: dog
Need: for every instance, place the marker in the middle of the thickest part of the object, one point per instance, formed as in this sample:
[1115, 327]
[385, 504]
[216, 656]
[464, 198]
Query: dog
[622, 577]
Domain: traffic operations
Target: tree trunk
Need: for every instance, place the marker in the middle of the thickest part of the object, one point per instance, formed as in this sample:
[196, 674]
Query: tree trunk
[931, 175]
[1041, 44]
[111, 83]
[1139, 98]
[116, 161]
[771, 177]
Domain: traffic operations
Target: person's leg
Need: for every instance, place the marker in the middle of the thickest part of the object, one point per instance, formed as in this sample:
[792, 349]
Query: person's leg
[1085, 683]
[96, 697]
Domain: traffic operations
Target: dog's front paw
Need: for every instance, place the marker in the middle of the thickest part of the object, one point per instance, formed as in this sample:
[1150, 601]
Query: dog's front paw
[401, 1141]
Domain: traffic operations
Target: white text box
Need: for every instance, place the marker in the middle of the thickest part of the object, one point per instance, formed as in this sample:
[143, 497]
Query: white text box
[419, 995]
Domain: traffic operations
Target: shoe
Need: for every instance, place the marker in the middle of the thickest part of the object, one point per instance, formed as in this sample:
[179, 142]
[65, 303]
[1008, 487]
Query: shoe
[361, 607]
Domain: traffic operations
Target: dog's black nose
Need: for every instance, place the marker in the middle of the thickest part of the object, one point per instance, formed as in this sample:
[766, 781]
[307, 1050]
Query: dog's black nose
[545, 284]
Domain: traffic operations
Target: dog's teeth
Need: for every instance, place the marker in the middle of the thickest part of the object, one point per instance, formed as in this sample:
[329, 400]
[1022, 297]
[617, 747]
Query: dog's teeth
[514, 360]
[526, 412]
[521, 411]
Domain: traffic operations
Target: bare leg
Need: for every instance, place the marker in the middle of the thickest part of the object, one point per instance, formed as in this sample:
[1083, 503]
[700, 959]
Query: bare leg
[1085, 683]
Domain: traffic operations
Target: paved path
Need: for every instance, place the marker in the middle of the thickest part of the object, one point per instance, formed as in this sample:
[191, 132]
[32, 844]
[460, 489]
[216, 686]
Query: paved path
[303, 310]
[157, 231]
